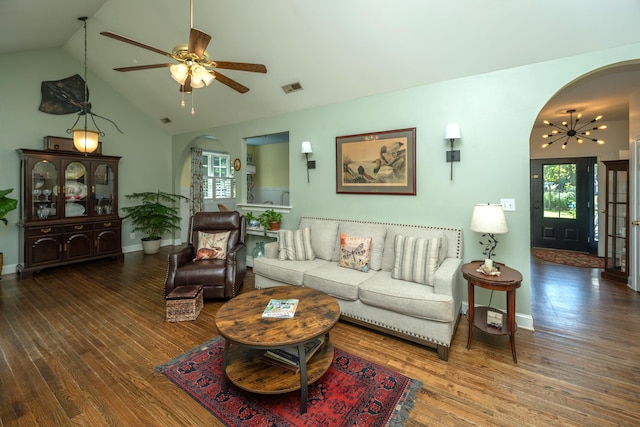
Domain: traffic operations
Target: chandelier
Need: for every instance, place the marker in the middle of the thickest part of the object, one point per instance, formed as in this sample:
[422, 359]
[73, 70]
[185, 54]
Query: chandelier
[571, 129]
[86, 140]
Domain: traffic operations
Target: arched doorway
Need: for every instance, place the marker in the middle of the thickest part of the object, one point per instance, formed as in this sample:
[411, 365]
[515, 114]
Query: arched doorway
[607, 91]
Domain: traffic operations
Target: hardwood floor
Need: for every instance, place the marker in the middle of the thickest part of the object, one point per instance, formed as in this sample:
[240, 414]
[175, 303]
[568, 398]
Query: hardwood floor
[78, 346]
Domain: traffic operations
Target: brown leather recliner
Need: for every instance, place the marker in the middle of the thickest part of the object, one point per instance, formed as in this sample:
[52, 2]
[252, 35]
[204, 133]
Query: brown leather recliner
[220, 278]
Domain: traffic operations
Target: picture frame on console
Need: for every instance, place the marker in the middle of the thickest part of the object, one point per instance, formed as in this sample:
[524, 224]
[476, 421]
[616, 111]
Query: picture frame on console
[377, 163]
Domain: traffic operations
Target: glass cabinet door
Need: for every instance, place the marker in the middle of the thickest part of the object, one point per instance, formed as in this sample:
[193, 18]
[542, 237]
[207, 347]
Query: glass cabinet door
[45, 188]
[616, 256]
[103, 179]
[75, 190]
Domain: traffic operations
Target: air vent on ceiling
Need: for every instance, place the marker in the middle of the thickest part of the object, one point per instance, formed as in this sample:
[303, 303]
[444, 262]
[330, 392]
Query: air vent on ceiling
[292, 87]
[165, 120]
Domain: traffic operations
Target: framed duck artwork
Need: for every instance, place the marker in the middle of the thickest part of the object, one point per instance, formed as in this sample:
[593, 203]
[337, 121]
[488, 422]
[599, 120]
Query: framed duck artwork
[377, 163]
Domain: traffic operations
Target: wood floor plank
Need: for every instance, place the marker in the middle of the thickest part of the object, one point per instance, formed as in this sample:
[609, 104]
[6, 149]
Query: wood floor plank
[79, 346]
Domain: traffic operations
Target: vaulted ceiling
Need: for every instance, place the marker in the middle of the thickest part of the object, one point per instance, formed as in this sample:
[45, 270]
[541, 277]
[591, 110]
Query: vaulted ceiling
[336, 49]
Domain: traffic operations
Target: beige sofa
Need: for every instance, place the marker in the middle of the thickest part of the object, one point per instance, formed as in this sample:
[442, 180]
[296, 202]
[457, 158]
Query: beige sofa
[424, 313]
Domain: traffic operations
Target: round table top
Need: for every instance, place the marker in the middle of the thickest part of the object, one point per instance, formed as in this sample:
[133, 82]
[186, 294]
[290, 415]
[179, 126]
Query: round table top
[508, 276]
[240, 319]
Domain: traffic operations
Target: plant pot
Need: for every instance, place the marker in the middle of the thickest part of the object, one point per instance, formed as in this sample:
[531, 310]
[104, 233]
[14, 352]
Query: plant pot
[274, 225]
[151, 246]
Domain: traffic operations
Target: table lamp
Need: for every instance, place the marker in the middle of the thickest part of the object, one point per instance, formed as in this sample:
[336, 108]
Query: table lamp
[489, 220]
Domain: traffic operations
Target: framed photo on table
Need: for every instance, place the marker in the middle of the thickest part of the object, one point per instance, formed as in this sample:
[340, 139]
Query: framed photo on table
[377, 163]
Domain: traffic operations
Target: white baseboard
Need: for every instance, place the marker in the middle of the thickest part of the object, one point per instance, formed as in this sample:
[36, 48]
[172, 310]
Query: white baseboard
[524, 321]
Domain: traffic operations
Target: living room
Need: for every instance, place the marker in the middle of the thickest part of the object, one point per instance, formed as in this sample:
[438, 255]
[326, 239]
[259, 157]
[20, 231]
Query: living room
[495, 109]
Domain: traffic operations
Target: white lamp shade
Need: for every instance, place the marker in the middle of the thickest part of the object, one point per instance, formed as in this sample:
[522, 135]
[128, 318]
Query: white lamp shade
[306, 147]
[201, 73]
[452, 131]
[85, 141]
[487, 218]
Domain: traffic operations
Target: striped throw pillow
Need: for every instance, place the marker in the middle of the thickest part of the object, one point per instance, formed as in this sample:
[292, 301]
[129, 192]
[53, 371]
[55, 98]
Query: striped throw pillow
[416, 259]
[295, 245]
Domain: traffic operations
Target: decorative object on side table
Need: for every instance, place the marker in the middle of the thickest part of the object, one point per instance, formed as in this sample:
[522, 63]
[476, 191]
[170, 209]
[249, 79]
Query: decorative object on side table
[155, 216]
[489, 220]
[258, 250]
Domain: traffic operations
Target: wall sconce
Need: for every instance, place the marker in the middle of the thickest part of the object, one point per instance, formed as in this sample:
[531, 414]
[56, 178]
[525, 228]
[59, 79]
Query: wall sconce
[452, 132]
[306, 149]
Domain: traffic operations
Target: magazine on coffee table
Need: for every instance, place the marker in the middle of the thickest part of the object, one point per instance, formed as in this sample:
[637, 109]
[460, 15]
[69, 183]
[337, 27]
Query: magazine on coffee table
[287, 358]
[281, 308]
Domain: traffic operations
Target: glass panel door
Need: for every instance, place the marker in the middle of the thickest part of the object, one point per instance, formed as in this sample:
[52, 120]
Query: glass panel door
[45, 190]
[75, 189]
[103, 178]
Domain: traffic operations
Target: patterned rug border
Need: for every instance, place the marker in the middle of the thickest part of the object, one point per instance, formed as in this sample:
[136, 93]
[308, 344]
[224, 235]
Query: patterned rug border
[569, 258]
[396, 418]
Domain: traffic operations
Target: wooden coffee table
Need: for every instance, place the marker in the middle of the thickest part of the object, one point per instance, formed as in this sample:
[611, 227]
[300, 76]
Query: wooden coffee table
[248, 335]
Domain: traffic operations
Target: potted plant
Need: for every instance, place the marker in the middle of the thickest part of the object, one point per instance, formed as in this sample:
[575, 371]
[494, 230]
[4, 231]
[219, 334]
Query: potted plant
[7, 204]
[252, 220]
[270, 220]
[155, 216]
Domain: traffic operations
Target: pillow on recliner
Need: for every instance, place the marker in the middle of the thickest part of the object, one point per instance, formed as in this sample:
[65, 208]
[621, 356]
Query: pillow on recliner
[212, 245]
[416, 259]
[295, 245]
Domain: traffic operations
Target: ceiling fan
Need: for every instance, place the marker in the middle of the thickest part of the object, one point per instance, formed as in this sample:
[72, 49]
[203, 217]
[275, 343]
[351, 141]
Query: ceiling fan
[194, 68]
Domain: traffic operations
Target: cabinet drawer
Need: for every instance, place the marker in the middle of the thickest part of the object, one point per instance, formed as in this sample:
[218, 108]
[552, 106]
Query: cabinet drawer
[78, 228]
[44, 230]
[102, 225]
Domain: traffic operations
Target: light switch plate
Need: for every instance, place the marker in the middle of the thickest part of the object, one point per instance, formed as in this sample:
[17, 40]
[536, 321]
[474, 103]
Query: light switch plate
[508, 204]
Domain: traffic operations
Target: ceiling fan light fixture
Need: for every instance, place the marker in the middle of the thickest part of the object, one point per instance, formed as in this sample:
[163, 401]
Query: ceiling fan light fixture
[179, 72]
[200, 73]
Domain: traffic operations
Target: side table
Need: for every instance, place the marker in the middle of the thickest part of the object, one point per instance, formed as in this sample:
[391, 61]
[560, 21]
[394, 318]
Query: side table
[508, 280]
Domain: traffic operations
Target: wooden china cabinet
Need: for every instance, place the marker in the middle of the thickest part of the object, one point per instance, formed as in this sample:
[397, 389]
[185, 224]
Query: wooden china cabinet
[616, 228]
[68, 209]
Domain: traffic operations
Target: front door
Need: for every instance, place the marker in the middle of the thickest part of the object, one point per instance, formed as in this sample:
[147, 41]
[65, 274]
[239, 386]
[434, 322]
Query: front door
[563, 201]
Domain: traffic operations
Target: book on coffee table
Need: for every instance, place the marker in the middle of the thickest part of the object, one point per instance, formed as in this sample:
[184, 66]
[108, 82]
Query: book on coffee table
[281, 308]
[288, 358]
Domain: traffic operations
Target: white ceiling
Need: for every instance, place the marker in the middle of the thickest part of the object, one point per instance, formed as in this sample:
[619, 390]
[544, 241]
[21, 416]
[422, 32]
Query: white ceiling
[337, 49]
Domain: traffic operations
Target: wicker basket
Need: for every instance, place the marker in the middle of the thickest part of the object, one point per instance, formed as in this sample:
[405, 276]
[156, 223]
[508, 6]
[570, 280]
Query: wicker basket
[186, 306]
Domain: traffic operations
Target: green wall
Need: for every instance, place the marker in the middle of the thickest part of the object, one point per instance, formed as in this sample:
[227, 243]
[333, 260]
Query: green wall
[496, 113]
[144, 146]
[272, 165]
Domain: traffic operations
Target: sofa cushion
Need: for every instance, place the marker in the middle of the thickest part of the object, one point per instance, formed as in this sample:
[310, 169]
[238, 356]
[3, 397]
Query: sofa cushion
[424, 233]
[377, 232]
[416, 259]
[340, 282]
[324, 235]
[291, 273]
[409, 298]
[212, 245]
[355, 252]
[295, 245]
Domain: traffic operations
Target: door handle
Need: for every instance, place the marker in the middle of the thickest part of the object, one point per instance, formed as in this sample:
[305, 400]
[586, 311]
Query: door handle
[636, 222]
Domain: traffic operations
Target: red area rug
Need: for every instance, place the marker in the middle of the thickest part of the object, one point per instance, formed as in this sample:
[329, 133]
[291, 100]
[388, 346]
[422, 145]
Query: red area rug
[574, 259]
[354, 392]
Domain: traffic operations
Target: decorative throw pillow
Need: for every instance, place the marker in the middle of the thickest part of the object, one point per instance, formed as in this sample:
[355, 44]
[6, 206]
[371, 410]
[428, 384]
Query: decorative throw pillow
[416, 259]
[355, 252]
[212, 245]
[295, 245]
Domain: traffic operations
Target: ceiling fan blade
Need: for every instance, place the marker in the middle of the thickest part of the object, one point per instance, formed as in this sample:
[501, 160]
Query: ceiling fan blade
[242, 66]
[143, 67]
[231, 83]
[198, 42]
[135, 43]
[186, 87]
